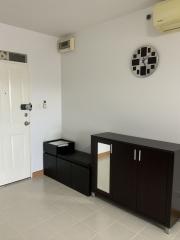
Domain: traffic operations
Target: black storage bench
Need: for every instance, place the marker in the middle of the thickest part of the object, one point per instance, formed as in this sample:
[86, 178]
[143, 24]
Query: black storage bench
[72, 169]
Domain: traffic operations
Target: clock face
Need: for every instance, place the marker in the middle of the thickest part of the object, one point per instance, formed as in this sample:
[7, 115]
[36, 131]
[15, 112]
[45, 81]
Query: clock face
[144, 61]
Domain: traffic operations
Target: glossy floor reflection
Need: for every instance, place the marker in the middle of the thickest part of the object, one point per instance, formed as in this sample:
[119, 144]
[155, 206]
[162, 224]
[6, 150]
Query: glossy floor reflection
[43, 209]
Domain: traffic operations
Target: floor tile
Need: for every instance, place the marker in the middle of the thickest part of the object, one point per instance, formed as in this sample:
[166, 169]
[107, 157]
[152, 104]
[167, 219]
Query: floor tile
[8, 233]
[93, 202]
[77, 232]
[50, 228]
[113, 210]
[98, 237]
[8, 198]
[157, 233]
[132, 222]
[99, 221]
[177, 236]
[79, 211]
[25, 216]
[117, 232]
[44, 209]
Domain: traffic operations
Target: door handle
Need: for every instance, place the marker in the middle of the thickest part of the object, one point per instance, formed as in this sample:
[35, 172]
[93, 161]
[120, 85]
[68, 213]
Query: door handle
[139, 155]
[26, 123]
[135, 154]
[111, 148]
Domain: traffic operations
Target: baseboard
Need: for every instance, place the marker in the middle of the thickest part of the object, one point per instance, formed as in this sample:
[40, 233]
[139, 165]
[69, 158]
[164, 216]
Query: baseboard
[39, 173]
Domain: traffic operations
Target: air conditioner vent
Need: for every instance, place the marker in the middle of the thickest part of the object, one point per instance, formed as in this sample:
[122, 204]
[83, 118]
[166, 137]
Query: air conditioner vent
[15, 57]
[66, 45]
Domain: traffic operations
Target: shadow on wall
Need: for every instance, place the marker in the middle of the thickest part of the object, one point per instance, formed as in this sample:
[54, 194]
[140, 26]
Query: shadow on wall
[151, 31]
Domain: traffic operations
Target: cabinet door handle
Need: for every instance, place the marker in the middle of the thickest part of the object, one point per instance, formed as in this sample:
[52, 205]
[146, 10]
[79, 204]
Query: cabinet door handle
[135, 154]
[111, 148]
[139, 155]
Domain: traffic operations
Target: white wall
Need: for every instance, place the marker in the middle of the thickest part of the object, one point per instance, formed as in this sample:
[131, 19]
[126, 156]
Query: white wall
[101, 94]
[45, 74]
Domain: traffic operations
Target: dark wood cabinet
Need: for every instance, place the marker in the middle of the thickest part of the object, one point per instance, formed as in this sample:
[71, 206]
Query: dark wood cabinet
[64, 172]
[81, 179]
[73, 170]
[50, 165]
[144, 175]
[123, 185]
[152, 191]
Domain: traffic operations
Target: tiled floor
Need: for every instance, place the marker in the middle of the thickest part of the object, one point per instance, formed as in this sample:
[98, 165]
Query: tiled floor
[43, 209]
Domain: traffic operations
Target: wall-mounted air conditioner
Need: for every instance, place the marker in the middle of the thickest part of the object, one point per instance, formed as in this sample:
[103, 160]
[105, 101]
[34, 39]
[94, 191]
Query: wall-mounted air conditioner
[166, 15]
[66, 45]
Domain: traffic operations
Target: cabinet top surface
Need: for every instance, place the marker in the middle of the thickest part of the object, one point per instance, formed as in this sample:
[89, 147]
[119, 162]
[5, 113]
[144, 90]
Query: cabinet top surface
[77, 157]
[139, 141]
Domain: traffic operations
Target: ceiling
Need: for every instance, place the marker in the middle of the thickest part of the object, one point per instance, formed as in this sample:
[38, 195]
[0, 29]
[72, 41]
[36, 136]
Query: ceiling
[60, 17]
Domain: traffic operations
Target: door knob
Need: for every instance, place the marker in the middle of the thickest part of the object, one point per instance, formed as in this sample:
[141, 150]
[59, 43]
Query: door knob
[26, 123]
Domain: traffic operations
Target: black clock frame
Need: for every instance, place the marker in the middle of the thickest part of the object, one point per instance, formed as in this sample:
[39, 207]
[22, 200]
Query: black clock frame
[144, 61]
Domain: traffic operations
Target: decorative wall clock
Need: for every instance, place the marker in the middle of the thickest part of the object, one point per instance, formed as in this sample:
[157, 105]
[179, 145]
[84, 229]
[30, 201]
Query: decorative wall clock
[144, 61]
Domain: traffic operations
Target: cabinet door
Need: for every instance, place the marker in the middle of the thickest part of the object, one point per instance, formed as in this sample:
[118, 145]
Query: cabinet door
[64, 174]
[81, 179]
[123, 174]
[152, 183]
[50, 166]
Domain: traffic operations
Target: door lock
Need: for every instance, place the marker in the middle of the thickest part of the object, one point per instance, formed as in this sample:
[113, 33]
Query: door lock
[26, 123]
[27, 107]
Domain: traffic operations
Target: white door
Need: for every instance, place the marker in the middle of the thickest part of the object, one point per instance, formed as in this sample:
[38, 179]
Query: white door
[14, 135]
